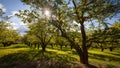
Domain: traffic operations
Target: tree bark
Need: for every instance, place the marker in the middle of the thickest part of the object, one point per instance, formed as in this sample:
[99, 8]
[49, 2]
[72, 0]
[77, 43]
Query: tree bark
[102, 48]
[43, 47]
[84, 56]
[4, 44]
[61, 47]
[84, 52]
[38, 45]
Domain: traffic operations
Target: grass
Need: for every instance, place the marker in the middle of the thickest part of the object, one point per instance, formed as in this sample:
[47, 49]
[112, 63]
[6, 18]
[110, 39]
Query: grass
[12, 49]
[18, 54]
[106, 58]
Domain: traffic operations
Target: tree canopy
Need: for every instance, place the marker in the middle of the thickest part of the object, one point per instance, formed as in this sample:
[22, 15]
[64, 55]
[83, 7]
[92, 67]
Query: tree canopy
[64, 12]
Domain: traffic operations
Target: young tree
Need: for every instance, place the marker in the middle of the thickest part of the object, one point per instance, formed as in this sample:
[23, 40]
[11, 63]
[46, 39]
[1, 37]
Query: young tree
[107, 37]
[43, 31]
[114, 35]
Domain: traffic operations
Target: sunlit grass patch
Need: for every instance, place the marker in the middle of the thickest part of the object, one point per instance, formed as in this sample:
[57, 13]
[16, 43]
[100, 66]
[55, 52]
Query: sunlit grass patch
[10, 51]
[18, 46]
[57, 51]
[68, 53]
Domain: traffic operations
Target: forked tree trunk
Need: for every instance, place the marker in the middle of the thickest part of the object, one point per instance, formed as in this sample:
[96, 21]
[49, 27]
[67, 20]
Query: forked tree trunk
[43, 47]
[84, 53]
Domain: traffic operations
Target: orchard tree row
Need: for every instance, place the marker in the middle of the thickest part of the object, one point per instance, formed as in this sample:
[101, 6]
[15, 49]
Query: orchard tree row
[107, 38]
[38, 36]
[8, 36]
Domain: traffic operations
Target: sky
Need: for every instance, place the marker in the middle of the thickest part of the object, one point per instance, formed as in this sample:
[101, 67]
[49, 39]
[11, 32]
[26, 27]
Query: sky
[10, 8]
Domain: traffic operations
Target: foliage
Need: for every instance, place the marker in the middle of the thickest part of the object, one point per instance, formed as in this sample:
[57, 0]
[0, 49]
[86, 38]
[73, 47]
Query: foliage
[106, 38]
[7, 35]
[63, 13]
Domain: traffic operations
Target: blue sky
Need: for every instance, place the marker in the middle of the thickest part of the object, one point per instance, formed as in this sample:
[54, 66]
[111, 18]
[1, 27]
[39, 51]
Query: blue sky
[11, 7]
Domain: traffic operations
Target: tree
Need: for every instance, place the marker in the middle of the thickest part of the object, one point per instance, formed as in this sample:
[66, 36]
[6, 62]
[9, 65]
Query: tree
[3, 27]
[43, 31]
[65, 12]
[107, 37]
[114, 35]
[2, 10]
[9, 37]
[31, 40]
[61, 42]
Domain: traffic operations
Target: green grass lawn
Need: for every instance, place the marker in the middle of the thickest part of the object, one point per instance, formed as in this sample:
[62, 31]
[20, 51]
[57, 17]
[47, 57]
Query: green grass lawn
[20, 54]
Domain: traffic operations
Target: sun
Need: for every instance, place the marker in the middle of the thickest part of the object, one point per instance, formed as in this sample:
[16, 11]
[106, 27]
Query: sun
[47, 13]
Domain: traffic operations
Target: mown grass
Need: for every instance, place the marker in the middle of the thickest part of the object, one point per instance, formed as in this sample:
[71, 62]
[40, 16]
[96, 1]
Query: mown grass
[106, 58]
[18, 54]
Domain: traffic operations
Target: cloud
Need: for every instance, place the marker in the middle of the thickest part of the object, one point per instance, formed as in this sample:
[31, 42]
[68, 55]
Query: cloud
[14, 12]
[2, 8]
[22, 29]
[18, 24]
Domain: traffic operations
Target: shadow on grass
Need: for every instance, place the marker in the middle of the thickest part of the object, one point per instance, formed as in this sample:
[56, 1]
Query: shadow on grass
[114, 53]
[104, 57]
[51, 55]
[12, 60]
[58, 48]
[30, 59]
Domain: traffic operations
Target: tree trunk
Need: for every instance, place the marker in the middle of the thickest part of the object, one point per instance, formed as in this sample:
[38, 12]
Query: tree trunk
[61, 47]
[43, 48]
[38, 46]
[51, 46]
[111, 48]
[102, 48]
[84, 54]
[4, 44]
[65, 45]
[71, 47]
[35, 45]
